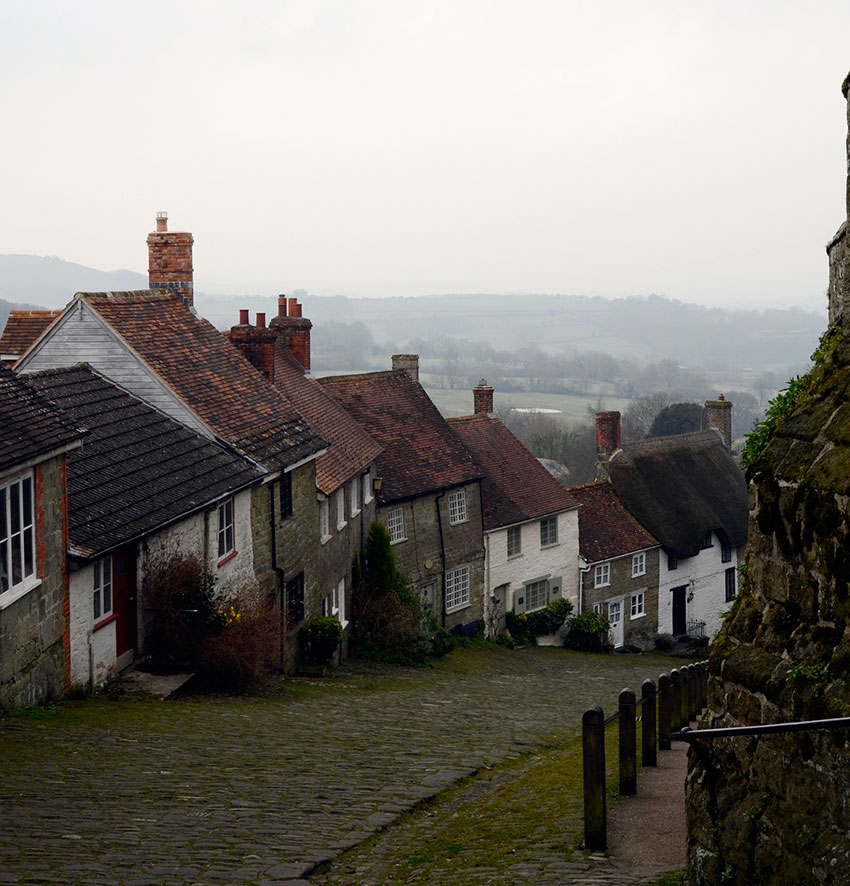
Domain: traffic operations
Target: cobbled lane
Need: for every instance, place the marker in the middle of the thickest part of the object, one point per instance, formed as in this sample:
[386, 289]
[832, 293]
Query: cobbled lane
[220, 790]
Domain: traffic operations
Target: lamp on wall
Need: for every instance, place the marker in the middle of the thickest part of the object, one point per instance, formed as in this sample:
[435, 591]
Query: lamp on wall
[377, 482]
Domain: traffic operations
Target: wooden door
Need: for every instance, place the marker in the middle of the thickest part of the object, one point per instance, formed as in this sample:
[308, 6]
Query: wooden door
[680, 625]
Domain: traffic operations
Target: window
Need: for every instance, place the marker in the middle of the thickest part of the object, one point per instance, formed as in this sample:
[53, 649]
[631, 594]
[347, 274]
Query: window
[672, 562]
[330, 605]
[457, 507]
[17, 535]
[102, 588]
[295, 600]
[324, 521]
[514, 541]
[599, 608]
[706, 541]
[602, 575]
[457, 588]
[339, 495]
[731, 588]
[725, 550]
[367, 488]
[354, 495]
[638, 604]
[548, 531]
[285, 496]
[395, 525]
[535, 595]
[340, 603]
[225, 528]
[638, 565]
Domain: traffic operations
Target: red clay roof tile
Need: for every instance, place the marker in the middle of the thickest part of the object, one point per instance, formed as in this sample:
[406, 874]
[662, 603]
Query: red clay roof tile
[23, 328]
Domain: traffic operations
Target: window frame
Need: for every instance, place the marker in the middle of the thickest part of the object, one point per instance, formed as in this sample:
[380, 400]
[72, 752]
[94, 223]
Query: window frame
[639, 564]
[295, 601]
[731, 588]
[514, 532]
[536, 587]
[707, 542]
[354, 497]
[461, 577]
[367, 488]
[226, 529]
[602, 575]
[637, 605]
[324, 520]
[549, 532]
[396, 526]
[725, 551]
[458, 512]
[339, 496]
[102, 588]
[18, 532]
[285, 496]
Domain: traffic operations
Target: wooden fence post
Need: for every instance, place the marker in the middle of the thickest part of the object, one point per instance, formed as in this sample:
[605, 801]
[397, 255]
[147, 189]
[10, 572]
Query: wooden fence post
[593, 747]
[676, 706]
[665, 710]
[628, 743]
[693, 693]
[649, 737]
[684, 713]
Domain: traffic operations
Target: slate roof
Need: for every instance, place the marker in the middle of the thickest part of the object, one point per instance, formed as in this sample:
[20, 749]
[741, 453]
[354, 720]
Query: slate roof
[421, 453]
[515, 486]
[205, 371]
[605, 528]
[30, 426]
[138, 469]
[23, 328]
[682, 487]
[351, 449]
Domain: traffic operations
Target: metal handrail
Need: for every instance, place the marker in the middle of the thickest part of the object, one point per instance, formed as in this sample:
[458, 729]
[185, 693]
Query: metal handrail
[691, 735]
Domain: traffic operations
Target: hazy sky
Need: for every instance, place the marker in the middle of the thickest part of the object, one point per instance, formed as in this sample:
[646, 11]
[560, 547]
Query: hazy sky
[399, 147]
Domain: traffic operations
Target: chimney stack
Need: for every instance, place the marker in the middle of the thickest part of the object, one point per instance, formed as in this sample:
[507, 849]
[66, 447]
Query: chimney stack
[294, 329]
[838, 249]
[170, 260]
[255, 343]
[607, 432]
[409, 363]
[482, 395]
[718, 417]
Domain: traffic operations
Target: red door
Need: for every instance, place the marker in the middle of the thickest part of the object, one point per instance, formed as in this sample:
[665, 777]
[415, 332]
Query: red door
[124, 602]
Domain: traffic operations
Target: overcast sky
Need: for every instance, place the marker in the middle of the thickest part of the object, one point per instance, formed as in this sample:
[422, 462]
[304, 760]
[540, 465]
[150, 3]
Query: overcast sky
[403, 147]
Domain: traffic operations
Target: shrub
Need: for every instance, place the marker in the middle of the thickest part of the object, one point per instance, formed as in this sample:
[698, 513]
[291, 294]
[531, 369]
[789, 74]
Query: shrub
[525, 627]
[588, 632]
[320, 639]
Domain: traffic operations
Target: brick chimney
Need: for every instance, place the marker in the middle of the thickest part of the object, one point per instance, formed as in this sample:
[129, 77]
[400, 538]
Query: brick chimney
[718, 417]
[607, 441]
[409, 363]
[170, 260]
[294, 329]
[255, 343]
[482, 395]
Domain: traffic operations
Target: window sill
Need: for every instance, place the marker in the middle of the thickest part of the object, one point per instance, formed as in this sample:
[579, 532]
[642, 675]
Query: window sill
[458, 522]
[341, 526]
[355, 513]
[325, 539]
[344, 624]
[553, 544]
[637, 617]
[105, 622]
[599, 587]
[515, 556]
[226, 559]
[7, 598]
[638, 575]
[398, 541]
[458, 608]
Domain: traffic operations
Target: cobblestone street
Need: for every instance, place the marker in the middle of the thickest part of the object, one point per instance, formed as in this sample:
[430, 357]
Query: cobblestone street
[205, 790]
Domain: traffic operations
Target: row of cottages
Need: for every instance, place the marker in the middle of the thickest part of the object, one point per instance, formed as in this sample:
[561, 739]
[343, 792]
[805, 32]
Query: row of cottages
[663, 532]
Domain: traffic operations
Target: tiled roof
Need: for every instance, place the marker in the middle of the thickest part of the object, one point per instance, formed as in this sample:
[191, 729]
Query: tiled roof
[23, 328]
[421, 453]
[138, 469]
[682, 487]
[351, 449]
[30, 426]
[515, 486]
[205, 371]
[605, 528]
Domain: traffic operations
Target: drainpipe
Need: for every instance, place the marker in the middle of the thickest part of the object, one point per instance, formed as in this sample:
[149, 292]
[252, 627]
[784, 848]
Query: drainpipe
[440, 496]
[581, 575]
[281, 586]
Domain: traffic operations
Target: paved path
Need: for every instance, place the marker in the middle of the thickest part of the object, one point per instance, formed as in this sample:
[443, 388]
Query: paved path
[260, 790]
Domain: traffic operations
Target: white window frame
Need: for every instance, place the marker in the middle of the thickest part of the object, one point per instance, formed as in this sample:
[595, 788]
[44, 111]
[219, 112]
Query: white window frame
[516, 531]
[367, 488]
[354, 496]
[637, 608]
[536, 594]
[395, 525]
[599, 608]
[102, 592]
[339, 495]
[549, 531]
[638, 564]
[340, 603]
[457, 589]
[226, 528]
[324, 520]
[457, 507]
[602, 575]
[18, 538]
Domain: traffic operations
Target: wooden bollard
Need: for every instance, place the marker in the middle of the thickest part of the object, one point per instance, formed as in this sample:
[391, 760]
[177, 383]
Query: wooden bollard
[693, 693]
[676, 706]
[628, 743]
[648, 755]
[593, 747]
[684, 715]
[665, 710]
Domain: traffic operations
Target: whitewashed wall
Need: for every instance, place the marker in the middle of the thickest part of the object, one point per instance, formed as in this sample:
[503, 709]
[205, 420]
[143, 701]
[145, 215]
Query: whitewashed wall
[557, 561]
[705, 576]
[93, 657]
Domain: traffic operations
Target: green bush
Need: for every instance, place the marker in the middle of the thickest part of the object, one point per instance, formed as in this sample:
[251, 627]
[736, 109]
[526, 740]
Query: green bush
[588, 632]
[320, 639]
[549, 619]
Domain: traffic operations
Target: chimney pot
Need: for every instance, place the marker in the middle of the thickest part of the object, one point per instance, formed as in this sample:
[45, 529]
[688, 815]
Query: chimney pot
[292, 303]
[281, 306]
[261, 320]
[243, 318]
[161, 222]
[297, 309]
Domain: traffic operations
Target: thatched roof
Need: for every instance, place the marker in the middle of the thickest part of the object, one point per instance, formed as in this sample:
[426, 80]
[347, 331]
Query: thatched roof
[682, 487]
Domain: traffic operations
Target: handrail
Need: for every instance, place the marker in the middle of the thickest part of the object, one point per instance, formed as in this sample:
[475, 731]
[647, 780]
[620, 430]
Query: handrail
[691, 735]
